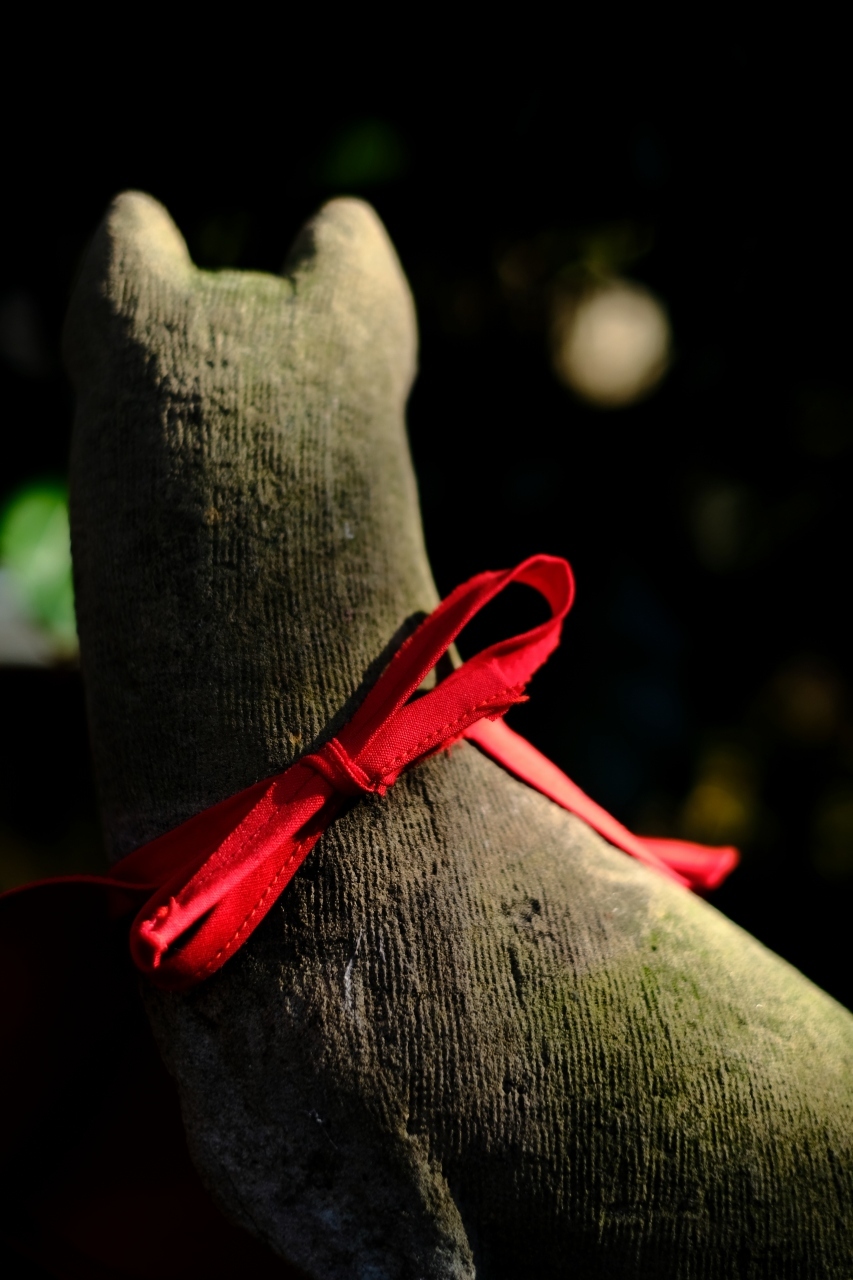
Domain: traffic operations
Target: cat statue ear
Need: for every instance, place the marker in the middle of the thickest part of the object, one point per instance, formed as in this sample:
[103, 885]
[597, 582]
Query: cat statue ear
[341, 270]
[471, 1037]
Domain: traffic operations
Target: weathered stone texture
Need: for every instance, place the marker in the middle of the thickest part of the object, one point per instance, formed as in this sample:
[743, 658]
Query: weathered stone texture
[471, 1038]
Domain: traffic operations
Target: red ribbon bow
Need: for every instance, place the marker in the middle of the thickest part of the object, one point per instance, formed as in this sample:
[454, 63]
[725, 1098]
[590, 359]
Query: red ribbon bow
[208, 883]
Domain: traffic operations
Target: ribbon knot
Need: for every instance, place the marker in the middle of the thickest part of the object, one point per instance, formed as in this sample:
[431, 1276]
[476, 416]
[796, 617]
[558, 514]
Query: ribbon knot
[334, 763]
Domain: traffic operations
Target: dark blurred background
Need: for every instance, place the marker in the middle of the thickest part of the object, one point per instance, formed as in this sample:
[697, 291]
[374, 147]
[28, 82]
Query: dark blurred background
[682, 206]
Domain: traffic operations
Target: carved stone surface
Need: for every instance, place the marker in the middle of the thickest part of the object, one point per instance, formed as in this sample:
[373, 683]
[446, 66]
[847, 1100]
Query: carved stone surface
[471, 1037]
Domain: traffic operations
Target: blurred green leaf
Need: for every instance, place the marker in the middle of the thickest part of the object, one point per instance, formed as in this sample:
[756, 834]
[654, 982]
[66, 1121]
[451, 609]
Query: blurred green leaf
[366, 153]
[35, 547]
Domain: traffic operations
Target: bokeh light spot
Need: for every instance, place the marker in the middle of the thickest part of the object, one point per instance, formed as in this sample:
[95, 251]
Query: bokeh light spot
[611, 345]
[806, 700]
[722, 806]
[722, 520]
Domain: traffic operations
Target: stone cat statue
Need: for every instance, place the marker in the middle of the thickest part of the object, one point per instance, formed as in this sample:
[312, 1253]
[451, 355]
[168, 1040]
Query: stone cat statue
[471, 1038]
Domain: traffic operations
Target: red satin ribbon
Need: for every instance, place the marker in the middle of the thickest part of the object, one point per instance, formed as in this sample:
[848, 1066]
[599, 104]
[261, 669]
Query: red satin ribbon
[204, 886]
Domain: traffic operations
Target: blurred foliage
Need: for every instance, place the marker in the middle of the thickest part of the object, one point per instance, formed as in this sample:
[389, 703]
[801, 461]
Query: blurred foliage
[832, 837]
[364, 154]
[35, 547]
